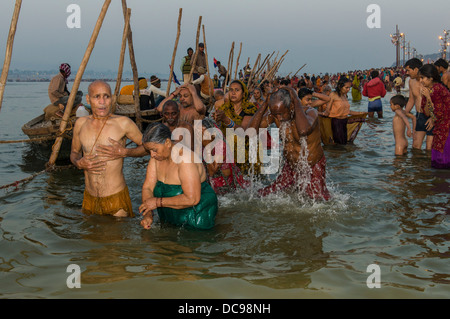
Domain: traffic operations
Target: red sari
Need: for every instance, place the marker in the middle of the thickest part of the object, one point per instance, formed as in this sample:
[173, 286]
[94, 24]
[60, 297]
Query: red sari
[440, 153]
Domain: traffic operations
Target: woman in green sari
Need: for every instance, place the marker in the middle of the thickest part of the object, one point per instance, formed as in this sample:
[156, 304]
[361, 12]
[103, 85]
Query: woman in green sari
[237, 113]
[356, 89]
[176, 183]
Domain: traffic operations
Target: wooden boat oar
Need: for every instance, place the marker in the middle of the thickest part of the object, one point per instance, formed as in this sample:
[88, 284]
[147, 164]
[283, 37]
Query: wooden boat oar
[174, 52]
[57, 145]
[9, 48]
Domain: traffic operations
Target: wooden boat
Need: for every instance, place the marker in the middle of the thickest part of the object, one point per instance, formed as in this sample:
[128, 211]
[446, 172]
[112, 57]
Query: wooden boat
[42, 131]
[353, 126]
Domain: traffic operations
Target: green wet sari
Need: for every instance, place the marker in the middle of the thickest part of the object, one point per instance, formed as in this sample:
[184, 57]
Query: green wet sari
[200, 216]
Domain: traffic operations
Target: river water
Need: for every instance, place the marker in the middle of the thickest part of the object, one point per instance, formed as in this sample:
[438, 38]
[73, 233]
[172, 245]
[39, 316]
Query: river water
[389, 211]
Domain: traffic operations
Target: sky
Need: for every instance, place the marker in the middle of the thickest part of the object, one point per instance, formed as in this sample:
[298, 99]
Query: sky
[327, 36]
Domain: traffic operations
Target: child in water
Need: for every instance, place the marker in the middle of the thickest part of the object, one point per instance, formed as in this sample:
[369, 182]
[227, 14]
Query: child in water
[399, 122]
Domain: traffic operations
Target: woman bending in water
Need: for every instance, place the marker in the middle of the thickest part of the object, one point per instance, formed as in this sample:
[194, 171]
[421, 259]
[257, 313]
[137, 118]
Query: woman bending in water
[176, 183]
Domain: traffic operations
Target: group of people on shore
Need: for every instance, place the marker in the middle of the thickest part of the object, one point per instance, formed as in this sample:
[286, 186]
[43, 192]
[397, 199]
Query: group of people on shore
[190, 161]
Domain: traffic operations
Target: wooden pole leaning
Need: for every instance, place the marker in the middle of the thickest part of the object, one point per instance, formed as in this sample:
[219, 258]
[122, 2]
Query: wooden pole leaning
[237, 61]
[194, 60]
[9, 48]
[261, 67]
[299, 70]
[211, 88]
[174, 52]
[137, 105]
[57, 145]
[126, 29]
[250, 78]
[228, 71]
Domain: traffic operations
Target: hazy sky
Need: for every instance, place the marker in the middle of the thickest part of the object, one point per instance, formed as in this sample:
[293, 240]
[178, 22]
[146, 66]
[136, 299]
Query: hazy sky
[330, 36]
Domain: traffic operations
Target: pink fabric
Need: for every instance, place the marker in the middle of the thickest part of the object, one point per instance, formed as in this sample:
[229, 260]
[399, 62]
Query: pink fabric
[66, 68]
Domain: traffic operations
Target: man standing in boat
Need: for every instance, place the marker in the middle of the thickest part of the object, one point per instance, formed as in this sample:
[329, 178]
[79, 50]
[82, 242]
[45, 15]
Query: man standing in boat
[302, 144]
[58, 92]
[106, 192]
[186, 65]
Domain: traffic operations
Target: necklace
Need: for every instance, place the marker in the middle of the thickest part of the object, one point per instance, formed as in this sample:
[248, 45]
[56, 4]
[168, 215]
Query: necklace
[96, 139]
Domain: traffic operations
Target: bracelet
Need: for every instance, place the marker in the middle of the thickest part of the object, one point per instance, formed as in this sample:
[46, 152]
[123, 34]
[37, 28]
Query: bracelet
[231, 124]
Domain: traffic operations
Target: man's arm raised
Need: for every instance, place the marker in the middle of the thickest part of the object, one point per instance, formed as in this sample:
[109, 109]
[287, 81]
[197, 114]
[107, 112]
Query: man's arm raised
[305, 122]
[198, 104]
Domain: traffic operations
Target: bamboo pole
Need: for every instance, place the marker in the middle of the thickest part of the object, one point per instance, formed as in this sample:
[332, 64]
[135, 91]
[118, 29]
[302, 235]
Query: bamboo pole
[250, 78]
[9, 48]
[126, 29]
[194, 61]
[299, 70]
[211, 88]
[57, 145]
[261, 67]
[174, 51]
[276, 68]
[137, 105]
[229, 71]
[237, 61]
[268, 75]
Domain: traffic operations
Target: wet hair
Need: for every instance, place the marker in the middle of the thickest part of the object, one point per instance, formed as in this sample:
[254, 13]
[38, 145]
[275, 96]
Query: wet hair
[156, 132]
[283, 96]
[341, 84]
[430, 71]
[374, 74]
[170, 103]
[414, 63]
[442, 63]
[304, 92]
[399, 100]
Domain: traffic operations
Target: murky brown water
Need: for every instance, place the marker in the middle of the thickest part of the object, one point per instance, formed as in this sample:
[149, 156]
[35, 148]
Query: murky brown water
[386, 210]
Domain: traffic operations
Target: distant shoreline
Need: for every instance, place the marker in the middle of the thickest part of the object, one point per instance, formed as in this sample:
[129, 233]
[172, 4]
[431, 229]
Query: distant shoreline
[83, 80]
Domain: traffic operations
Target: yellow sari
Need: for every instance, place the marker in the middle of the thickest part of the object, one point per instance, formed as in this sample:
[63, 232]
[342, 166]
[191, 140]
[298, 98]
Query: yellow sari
[248, 109]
